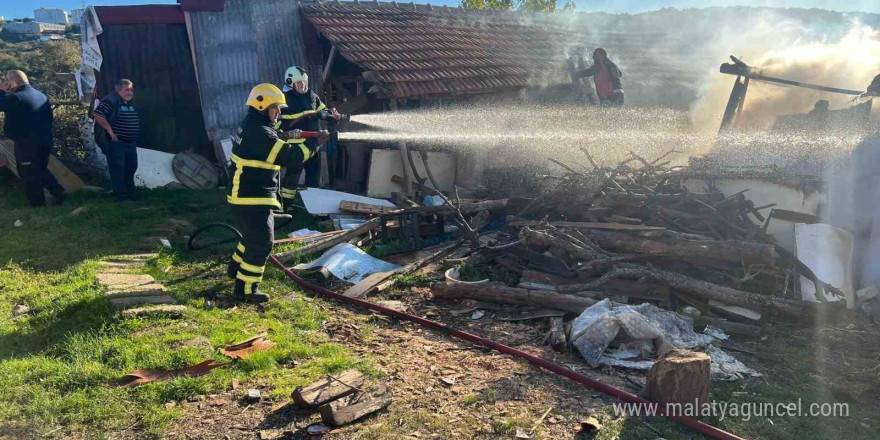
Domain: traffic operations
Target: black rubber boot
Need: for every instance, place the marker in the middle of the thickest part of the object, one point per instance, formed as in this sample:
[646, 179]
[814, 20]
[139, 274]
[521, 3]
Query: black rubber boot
[255, 296]
[232, 269]
[59, 199]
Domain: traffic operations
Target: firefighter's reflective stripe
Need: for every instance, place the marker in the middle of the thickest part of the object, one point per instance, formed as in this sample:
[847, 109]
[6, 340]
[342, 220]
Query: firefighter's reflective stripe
[241, 247]
[293, 116]
[255, 163]
[241, 164]
[275, 150]
[254, 201]
[237, 258]
[306, 152]
[247, 278]
[288, 193]
[252, 268]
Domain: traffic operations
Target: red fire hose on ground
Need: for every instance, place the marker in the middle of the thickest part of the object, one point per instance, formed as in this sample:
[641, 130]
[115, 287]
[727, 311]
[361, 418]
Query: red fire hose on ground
[617, 393]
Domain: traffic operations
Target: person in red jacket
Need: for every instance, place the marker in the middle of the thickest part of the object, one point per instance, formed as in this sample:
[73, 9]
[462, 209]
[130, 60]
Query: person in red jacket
[607, 76]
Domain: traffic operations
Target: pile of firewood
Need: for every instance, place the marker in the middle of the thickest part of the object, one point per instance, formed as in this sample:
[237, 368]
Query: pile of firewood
[635, 233]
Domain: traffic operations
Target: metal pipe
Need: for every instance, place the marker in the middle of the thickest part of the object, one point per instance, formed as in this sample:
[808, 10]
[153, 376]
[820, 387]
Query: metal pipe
[617, 393]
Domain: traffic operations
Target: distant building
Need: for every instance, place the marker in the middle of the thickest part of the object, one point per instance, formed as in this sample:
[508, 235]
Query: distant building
[57, 16]
[51, 37]
[76, 15]
[33, 27]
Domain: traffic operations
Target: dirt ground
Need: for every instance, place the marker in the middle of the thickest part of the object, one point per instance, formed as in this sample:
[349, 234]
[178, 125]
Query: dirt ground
[445, 388]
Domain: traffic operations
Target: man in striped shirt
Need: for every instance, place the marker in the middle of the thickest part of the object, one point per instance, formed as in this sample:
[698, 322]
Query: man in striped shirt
[117, 116]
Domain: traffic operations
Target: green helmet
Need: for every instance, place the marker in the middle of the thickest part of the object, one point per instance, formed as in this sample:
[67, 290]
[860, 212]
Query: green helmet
[293, 75]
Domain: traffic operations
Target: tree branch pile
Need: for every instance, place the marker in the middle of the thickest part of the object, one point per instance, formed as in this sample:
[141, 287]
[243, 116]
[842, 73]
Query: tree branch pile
[595, 229]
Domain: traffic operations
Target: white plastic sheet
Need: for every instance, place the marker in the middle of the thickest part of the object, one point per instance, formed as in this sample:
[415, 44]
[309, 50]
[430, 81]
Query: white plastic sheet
[828, 251]
[349, 263]
[633, 336]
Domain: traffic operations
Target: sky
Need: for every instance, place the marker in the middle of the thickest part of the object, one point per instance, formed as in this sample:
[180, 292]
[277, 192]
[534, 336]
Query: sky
[18, 9]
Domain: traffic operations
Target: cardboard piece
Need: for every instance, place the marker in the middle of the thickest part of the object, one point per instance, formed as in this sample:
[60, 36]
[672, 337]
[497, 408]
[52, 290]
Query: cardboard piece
[70, 181]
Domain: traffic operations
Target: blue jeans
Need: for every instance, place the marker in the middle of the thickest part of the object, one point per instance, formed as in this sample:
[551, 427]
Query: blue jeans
[122, 162]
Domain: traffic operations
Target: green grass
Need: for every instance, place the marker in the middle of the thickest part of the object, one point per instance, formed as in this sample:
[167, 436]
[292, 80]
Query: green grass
[56, 362]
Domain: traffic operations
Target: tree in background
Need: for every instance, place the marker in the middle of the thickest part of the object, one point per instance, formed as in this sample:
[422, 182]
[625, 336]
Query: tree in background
[41, 61]
[499, 5]
[520, 5]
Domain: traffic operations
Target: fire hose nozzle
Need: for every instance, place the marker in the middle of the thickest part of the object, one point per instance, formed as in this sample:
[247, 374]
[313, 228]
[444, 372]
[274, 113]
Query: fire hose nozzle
[334, 114]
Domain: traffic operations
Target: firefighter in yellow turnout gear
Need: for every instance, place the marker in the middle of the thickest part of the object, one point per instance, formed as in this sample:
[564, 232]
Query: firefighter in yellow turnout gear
[304, 111]
[257, 160]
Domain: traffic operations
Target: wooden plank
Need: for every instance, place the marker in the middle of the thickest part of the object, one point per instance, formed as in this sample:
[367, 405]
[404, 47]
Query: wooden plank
[364, 208]
[369, 283]
[733, 328]
[383, 280]
[794, 216]
[329, 389]
[356, 406]
[734, 310]
[68, 180]
[590, 225]
[331, 241]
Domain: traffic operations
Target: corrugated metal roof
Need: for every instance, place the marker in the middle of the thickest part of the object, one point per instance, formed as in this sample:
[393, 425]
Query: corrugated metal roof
[419, 50]
[249, 42]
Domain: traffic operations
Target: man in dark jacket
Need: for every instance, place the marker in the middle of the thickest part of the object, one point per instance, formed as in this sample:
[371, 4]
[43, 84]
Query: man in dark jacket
[117, 132]
[257, 160]
[606, 75]
[29, 125]
[304, 112]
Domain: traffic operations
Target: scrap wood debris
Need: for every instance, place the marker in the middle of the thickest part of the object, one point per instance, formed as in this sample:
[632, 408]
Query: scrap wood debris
[633, 233]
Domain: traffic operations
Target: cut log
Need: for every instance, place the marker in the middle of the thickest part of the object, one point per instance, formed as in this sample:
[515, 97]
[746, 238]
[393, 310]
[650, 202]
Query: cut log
[590, 225]
[700, 289]
[511, 295]
[351, 408]
[329, 389]
[542, 239]
[331, 241]
[557, 334]
[694, 251]
[681, 377]
[535, 280]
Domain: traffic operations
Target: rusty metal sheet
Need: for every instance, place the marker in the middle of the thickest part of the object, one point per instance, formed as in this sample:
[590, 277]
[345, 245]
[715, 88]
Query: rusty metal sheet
[244, 349]
[140, 377]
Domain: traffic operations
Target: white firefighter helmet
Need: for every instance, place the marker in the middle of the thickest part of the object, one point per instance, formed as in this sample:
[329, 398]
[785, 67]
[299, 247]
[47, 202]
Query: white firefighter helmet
[293, 75]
